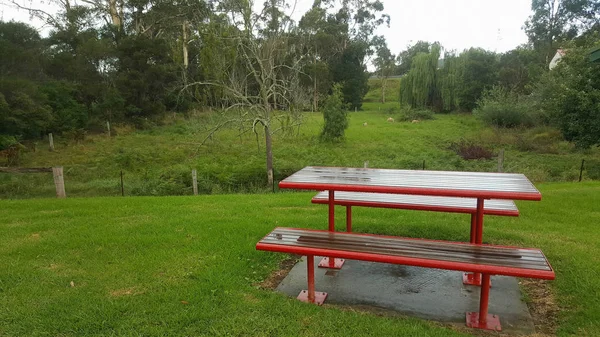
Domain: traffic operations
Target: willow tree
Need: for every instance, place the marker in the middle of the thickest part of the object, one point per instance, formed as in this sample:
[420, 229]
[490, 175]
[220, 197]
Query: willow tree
[448, 82]
[418, 88]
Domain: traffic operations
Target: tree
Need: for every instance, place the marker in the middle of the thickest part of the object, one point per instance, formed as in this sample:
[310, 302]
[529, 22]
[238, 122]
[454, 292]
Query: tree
[334, 116]
[570, 93]
[406, 57]
[262, 82]
[556, 21]
[478, 72]
[419, 88]
[384, 64]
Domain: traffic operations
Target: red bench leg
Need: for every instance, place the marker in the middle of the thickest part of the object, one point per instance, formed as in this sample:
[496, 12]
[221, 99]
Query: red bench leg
[349, 219]
[327, 262]
[481, 319]
[474, 279]
[310, 296]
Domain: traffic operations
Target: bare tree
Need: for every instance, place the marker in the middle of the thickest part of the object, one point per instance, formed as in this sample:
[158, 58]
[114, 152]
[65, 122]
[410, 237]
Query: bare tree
[264, 82]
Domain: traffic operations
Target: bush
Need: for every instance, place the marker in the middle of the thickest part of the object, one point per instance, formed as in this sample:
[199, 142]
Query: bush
[335, 116]
[501, 108]
[416, 114]
[470, 150]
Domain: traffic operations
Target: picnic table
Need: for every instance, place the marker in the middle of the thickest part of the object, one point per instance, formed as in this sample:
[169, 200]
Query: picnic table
[477, 185]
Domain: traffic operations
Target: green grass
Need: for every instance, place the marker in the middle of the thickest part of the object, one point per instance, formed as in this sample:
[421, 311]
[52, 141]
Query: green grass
[159, 161]
[187, 265]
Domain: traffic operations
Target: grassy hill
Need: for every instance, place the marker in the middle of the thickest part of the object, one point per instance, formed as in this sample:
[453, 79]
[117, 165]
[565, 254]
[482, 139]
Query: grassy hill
[159, 266]
[159, 161]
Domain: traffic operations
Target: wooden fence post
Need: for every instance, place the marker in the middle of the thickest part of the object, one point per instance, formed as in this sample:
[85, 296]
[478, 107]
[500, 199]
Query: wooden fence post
[59, 182]
[122, 188]
[366, 164]
[501, 161]
[51, 140]
[581, 169]
[108, 128]
[195, 181]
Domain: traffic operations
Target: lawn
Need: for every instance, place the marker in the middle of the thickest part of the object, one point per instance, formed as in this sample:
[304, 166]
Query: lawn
[159, 161]
[187, 265]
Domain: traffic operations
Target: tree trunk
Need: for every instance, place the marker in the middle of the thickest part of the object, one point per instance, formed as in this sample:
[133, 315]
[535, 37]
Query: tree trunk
[383, 83]
[269, 148]
[185, 46]
[114, 13]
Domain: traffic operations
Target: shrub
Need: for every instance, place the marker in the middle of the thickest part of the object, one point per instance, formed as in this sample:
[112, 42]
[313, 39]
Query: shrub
[335, 116]
[501, 108]
[470, 150]
[416, 114]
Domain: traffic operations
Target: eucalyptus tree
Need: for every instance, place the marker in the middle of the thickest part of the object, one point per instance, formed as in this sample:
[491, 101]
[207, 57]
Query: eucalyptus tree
[556, 21]
[384, 64]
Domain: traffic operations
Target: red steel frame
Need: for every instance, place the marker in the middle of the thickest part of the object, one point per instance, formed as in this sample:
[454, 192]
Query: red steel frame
[479, 320]
[330, 262]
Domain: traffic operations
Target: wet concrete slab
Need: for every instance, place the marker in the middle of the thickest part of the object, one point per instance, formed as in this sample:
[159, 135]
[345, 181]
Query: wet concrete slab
[432, 294]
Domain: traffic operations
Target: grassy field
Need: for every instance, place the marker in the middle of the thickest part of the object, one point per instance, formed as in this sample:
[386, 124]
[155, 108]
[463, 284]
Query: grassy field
[158, 266]
[159, 161]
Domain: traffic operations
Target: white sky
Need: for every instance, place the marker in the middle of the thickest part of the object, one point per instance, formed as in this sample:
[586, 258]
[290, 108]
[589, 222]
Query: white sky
[457, 24]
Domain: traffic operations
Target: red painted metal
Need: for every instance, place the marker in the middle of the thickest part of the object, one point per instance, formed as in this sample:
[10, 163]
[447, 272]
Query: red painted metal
[492, 322]
[479, 221]
[331, 210]
[473, 228]
[413, 190]
[428, 263]
[349, 219]
[481, 319]
[326, 263]
[414, 206]
[319, 297]
[310, 295]
[310, 265]
[331, 263]
[436, 183]
[477, 238]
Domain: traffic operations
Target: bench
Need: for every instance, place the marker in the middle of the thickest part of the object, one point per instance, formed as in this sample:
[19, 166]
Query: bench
[477, 258]
[417, 202]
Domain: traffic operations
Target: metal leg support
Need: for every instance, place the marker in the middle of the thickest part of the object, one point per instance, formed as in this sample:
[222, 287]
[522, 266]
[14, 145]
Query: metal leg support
[349, 219]
[474, 279]
[328, 262]
[481, 319]
[310, 295]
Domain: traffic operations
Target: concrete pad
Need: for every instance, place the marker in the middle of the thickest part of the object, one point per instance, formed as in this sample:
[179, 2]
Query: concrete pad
[433, 294]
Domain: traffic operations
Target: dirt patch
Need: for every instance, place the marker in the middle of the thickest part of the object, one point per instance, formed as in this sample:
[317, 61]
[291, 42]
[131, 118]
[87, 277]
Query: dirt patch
[542, 306]
[278, 275]
[35, 236]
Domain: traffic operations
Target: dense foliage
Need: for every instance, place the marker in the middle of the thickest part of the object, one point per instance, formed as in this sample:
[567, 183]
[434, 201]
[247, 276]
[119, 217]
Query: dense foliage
[335, 116]
[132, 61]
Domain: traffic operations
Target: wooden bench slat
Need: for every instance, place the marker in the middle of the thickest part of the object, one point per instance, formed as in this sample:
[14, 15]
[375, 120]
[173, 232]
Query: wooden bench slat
[495, 260]
[418, 202]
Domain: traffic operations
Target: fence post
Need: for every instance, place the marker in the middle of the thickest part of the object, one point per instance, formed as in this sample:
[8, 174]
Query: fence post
[423, 165]
[59, 182]
[122, 187]
[366, 164]
[195, 181]
[108, 128]
[581, 169]
[501, 161]
[51, 140]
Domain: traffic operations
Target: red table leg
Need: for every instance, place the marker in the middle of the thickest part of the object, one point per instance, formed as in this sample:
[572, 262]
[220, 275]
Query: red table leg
[310, 296]
[331, 262]
[348, 219]
[474, 279]
[481, 319]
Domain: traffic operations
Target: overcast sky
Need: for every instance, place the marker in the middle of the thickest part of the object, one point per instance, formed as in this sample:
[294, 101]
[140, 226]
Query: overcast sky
[494, 25]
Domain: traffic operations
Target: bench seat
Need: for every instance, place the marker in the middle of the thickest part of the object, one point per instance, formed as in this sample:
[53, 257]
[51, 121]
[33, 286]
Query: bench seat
[419, 202]
[477, 258]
